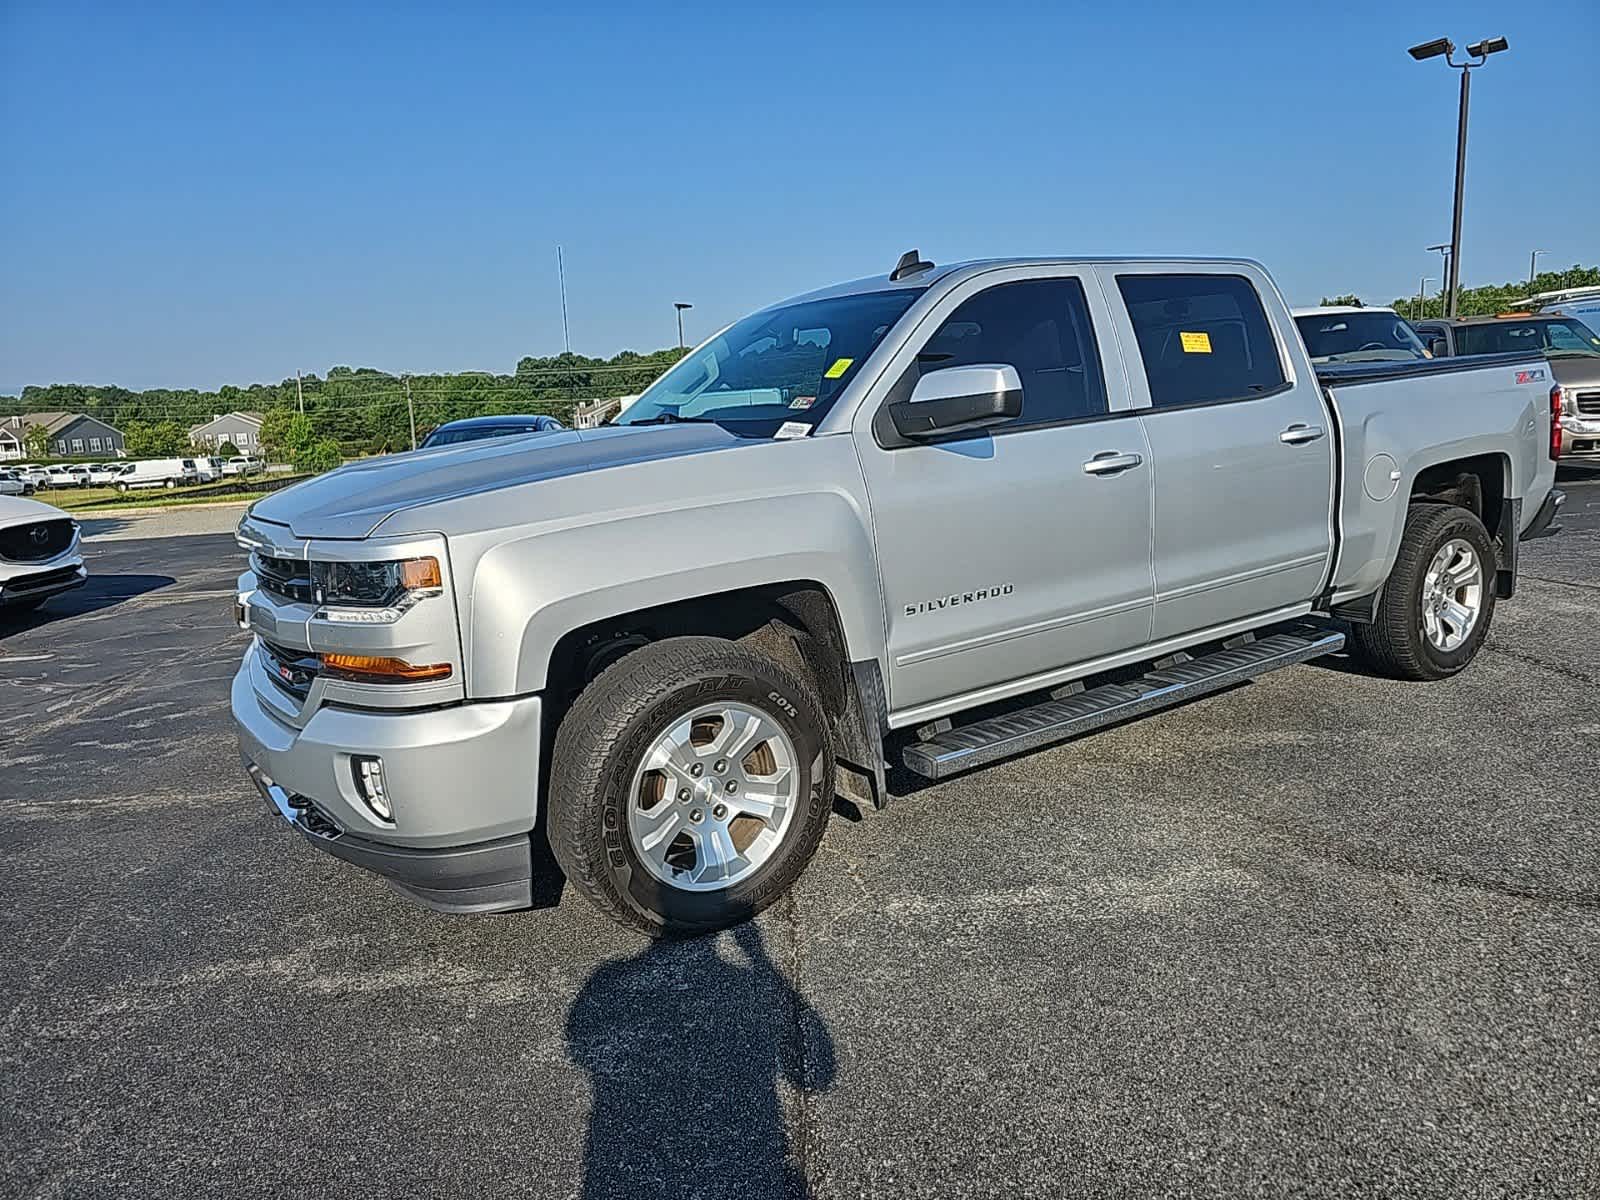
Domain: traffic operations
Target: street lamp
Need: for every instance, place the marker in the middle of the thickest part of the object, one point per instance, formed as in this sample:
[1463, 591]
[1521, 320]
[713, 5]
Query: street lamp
[1479, 51]
[680, 306]
[1422, 294]
[1533, 266]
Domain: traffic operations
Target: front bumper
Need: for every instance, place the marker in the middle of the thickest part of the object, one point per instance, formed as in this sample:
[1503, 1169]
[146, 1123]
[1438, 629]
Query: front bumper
[1580, 436]
[461, 780]
[35, 585]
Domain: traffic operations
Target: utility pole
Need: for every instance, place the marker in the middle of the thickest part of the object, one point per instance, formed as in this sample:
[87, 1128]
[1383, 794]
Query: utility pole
[1533, 264]
[300, 397]
[561, 270]
[1422, 294]
[411, 412]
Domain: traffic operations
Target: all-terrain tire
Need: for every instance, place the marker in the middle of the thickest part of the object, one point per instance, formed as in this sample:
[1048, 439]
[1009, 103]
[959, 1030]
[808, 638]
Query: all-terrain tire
[1394, 644]
[602, 743]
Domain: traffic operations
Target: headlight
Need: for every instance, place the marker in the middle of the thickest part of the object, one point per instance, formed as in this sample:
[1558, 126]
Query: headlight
[375, 584]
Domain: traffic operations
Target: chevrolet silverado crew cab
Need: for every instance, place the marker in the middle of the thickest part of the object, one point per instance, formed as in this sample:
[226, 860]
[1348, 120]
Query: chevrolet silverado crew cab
[950, 514]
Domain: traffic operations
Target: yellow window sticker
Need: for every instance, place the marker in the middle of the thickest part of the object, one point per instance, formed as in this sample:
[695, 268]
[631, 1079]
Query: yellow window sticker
[1196, 343]
[840, 366]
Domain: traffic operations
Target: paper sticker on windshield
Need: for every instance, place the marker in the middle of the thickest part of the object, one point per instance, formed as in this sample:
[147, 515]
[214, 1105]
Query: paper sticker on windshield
[840, 366]
[802, 402]
[792, 429]
[1195, 343]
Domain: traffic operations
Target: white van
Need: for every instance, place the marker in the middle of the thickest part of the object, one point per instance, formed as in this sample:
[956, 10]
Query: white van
[157, 472]
[208, 469]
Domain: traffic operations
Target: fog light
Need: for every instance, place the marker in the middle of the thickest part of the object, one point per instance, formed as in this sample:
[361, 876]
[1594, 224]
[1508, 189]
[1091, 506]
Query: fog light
[368, 772]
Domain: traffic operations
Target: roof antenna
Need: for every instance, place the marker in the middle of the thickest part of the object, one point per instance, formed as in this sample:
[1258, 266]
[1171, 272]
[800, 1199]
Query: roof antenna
[911, 263]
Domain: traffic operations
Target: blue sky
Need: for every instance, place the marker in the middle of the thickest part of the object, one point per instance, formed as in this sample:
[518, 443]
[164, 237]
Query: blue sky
[219, 193]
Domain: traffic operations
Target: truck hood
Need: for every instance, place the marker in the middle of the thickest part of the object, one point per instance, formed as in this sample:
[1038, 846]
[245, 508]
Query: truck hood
[353, 501]
[1576, 370]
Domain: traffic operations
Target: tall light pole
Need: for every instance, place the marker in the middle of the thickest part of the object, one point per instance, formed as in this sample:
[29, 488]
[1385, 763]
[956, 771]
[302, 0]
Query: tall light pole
[1533, 265]
[680, 306]
[1479, 51]
[411, 413]
[1422, 294]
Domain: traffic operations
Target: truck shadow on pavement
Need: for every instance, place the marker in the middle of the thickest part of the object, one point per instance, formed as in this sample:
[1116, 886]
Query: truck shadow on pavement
[101, 592]
[684, 1049]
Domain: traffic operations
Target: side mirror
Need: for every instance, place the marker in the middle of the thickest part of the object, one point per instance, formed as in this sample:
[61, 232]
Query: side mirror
[956, 398]
[1437, 347]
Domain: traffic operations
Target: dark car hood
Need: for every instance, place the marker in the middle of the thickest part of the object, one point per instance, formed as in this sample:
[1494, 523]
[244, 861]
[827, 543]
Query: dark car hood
[1576, 370]
[354, 500]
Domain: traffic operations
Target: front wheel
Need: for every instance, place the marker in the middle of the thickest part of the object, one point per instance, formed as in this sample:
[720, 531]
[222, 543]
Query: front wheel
[1438, 600]
[690, 786]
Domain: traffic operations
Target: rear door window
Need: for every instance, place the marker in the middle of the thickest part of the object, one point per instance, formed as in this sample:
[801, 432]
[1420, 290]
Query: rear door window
[1042, 328]
[1204, 339]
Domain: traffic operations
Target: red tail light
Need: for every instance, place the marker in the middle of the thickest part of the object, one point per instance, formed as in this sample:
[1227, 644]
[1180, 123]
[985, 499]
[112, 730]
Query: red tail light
[1555, 423]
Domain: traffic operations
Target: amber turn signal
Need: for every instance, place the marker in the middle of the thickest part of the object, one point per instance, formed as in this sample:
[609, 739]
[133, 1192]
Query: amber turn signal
[418, 573]
[369, 668]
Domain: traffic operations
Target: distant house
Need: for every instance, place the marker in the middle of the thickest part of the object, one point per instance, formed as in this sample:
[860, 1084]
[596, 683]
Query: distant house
[72, 435]
[243, 429]
[10, 445]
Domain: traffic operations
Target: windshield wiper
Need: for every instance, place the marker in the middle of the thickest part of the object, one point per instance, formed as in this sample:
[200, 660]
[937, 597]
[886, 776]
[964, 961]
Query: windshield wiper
[667, 418]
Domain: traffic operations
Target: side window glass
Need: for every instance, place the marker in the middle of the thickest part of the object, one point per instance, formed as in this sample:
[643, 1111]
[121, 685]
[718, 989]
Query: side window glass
[1203, 338]
[1042, 328]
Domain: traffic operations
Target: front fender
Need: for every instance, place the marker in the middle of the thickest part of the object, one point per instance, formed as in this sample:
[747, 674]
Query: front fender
[528, 592]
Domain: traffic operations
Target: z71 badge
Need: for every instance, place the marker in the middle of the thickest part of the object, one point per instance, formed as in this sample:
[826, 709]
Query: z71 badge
[1534, 376]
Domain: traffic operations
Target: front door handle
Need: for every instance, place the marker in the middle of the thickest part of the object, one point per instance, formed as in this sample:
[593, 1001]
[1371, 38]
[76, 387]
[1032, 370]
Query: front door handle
[1299, 434]
[1109, 462]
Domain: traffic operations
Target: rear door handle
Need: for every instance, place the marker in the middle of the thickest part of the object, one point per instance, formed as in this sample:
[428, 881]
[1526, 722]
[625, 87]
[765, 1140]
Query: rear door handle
[1109, 462]
[1299, 434]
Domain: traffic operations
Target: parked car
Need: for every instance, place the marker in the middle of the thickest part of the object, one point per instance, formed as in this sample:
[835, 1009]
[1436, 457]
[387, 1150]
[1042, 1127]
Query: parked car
[472, 429]
[156, 472]
[207, 469]
[39, 553]
[13, 484]
[1089, 488]
[36, 475]
[243, 464]
[61, 476]
[1573, 351]
[104, 474]
[1346, 334]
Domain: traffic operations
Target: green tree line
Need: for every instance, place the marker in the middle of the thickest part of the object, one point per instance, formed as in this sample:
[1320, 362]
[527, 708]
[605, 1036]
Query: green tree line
[359, 410]
[1494, 298]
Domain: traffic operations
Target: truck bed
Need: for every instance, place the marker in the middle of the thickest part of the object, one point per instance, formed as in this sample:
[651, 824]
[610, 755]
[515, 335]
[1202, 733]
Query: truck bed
[1397, 419]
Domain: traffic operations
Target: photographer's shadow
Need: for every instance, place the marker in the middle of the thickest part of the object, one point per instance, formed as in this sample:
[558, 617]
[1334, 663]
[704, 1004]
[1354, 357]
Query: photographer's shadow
[684, 1050]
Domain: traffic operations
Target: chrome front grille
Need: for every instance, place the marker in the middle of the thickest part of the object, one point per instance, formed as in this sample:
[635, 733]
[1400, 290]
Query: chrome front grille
[286, 578]
[1588, 403]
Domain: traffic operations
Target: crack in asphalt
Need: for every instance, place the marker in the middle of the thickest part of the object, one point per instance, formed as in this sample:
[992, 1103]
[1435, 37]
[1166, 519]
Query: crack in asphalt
[1433, 875]
[794, 1045]
[1534, 661]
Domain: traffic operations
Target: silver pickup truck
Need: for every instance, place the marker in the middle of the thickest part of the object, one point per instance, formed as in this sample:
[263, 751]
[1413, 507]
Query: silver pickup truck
[952, 514]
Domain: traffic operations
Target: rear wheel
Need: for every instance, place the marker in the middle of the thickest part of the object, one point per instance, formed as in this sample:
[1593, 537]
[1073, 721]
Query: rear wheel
[690, 786]
[1438, 600]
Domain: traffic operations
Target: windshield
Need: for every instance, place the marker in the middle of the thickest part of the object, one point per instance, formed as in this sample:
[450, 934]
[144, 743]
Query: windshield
[778, 366]
[1563, 335]
[1359, 337]
[445, 436]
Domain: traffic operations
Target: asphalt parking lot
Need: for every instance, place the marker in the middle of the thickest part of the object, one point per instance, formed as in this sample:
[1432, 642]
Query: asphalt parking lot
[1322, 935]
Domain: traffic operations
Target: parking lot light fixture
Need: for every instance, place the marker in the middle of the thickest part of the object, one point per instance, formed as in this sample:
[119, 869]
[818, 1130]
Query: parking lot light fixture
[1432, 49]
[1479, 54]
